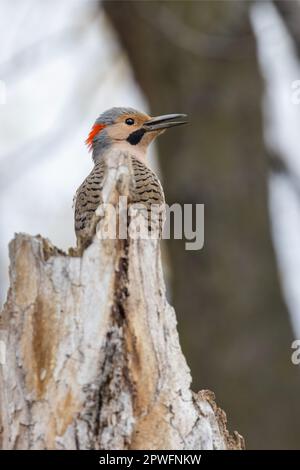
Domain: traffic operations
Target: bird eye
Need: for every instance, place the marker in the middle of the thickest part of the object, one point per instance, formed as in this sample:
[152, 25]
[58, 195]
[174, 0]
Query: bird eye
[129, 121]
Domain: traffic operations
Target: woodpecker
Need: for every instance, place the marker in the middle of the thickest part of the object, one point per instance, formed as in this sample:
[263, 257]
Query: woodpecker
[130, 131]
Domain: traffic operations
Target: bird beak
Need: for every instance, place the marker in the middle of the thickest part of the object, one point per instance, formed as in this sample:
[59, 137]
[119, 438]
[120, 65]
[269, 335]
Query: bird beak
[163, 122]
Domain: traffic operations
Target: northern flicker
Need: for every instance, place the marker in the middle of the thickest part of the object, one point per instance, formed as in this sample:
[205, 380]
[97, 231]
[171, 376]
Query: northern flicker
[130, 131]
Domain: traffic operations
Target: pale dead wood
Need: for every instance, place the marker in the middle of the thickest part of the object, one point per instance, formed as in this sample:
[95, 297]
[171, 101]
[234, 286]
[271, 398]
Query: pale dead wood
[93, 354]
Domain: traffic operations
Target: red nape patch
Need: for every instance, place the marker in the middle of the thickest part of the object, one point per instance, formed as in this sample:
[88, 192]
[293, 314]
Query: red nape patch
[94, 131]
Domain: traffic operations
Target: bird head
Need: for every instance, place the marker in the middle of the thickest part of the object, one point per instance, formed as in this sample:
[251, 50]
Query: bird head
[128, 130]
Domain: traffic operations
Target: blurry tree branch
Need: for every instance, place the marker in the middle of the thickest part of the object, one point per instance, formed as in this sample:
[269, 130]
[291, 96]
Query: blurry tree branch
[278, 165]
[193, 41]
[290, 13]
[93, 358]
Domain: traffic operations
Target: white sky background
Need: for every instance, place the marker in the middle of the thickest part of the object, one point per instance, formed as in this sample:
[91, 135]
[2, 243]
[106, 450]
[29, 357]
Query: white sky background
[280, 67]
[62, 67]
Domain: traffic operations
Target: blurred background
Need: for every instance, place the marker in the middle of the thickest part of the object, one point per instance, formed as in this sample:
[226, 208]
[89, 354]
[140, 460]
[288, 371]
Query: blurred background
[233, 67]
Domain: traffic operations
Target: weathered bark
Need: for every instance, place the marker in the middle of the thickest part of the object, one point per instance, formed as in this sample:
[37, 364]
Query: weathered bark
[93, 355]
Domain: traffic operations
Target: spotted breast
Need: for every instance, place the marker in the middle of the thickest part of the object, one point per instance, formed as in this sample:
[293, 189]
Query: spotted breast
[146, 190]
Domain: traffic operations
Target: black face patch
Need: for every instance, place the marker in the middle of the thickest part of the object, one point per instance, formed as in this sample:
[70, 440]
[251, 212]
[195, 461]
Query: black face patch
[135, 137]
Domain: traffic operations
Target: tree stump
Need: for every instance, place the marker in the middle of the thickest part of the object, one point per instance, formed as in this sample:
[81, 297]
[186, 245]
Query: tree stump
[93, 359]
